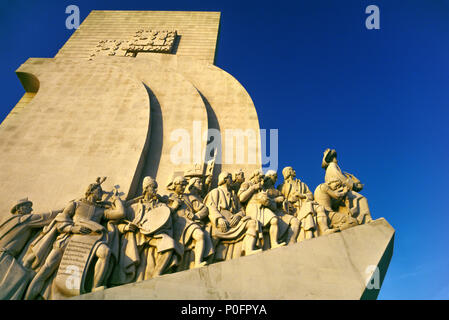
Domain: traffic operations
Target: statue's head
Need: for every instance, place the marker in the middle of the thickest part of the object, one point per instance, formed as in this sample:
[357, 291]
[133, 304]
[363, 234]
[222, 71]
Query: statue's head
[256, 176]
[179, 184]
[195, 183]
[288, 172]
[23, 206]
[149, 186]
[224, 178]
[329, 155]
[271, 177]
[239, 177]
[94, 192]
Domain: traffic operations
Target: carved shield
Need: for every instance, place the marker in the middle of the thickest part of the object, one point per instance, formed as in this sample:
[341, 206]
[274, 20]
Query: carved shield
[155, 219]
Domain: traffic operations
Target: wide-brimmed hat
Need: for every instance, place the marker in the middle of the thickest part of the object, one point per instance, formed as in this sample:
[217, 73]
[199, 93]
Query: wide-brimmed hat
[19, 203]
[328, 155]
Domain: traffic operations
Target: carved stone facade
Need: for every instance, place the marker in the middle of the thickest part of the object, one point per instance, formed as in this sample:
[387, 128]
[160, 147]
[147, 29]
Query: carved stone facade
[117, 117]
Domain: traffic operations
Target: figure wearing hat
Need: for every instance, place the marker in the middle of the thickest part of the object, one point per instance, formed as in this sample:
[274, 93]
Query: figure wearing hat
[190, 215]
[230, 225]
[329, 195]
[289, 225]
[80, 217]
[147, 247]
[257, 207]
[16, 231]
[358, 204]
[299, 202]
[195, 188]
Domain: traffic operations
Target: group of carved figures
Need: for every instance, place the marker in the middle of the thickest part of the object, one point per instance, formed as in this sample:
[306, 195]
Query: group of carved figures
[100, 240]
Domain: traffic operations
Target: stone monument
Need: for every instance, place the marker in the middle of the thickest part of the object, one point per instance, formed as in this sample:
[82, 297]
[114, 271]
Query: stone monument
[133, 107]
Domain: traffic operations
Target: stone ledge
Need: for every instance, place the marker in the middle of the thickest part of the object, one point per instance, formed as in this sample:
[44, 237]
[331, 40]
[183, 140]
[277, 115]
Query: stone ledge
[335, 266]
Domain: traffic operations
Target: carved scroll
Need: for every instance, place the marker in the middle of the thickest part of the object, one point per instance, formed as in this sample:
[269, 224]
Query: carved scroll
[72, 270]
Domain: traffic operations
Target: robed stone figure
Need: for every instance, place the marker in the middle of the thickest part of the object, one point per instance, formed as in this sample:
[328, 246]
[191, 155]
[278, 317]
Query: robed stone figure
[16, 232]
[233, 232]
[147, 247]
[81, 236]
[356, 203]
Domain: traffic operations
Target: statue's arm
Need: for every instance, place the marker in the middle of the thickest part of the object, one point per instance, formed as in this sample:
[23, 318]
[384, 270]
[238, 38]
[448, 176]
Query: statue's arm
[336, 194]
[173, 202]
[201, 210]
[337, 174]
[64, 219]
[39, 220]
[239, 208]
[117, 211]
[308, 193]
[211, 203]
[245, 192]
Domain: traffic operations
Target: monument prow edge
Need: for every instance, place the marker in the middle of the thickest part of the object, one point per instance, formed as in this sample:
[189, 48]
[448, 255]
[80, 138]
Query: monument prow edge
[347, 265]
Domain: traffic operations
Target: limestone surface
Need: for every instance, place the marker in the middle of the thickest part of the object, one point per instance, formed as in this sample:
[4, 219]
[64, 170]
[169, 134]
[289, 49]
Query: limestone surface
[347, 265]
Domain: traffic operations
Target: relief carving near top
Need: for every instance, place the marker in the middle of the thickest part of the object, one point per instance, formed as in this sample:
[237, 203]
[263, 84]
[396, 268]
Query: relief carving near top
[144, 40]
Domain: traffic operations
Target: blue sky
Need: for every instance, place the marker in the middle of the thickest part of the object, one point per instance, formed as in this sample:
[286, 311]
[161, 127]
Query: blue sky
[380, 97]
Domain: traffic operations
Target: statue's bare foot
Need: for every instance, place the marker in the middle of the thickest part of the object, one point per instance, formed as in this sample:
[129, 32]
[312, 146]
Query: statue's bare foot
[253, 252]
[201, 264]
[277, 245]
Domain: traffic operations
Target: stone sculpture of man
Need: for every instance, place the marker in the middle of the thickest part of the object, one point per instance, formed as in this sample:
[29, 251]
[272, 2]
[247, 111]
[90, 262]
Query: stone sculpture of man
[329, 195]
[16, 231]
[186, 221]
[147, 249]
[358, 204]
[195, 188]
[228, 218]
[300, 203]
[80, 217]
[257, 207]
[292, 188]
[276, 205]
